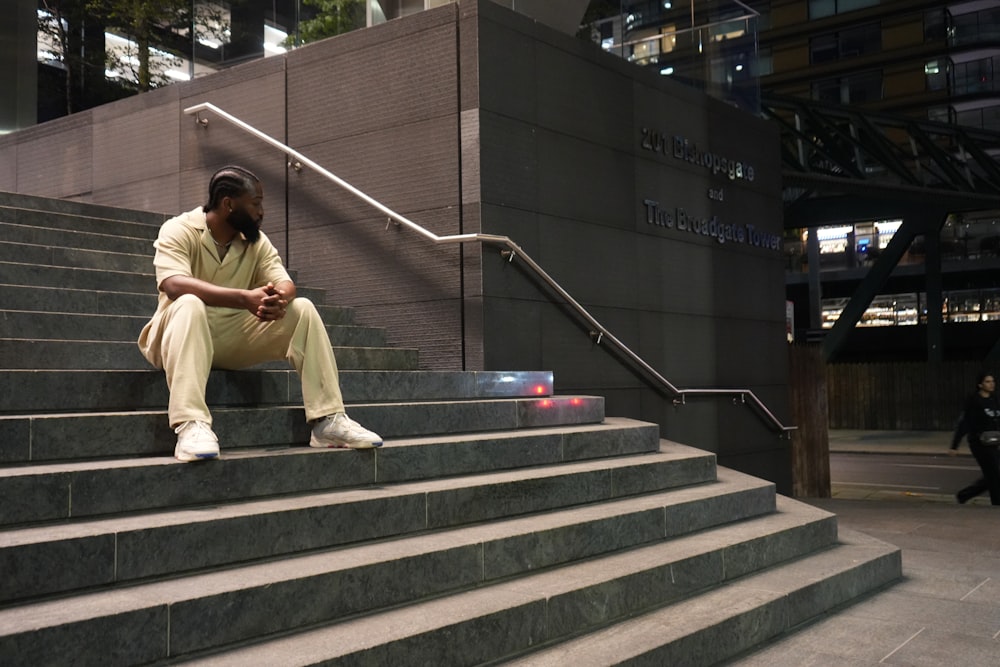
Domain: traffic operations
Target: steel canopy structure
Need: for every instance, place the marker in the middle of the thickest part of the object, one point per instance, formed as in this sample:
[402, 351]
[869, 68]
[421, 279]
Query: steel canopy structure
[843, 165]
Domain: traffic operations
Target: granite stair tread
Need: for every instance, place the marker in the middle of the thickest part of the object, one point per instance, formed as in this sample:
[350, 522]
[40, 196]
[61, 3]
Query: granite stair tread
[70, 299]
[367, 577]
[80, 258]
[106, 301]
[16, 273]
[100, 551]
[123, 355]
[74, 243]
[60, 222]
[27, 392]
[61, 491]
[98, 327]
[724, 622]
[61, 436]
[687, 627]
[48, 208]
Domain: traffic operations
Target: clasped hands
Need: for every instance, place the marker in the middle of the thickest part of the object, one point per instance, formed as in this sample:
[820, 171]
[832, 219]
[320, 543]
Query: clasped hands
[270, 303]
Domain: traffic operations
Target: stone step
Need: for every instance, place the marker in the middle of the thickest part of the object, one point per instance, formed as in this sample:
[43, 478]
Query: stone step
[97, 552]
[70, 300]
[57, 212]
[124, 355]
[27, 253]
[728, 620]
[43, 437]
[33, 437]
[691, 628]
[69, 239]
[36, 275]
[24, 324]
[82, 224]
[463, 596]
[143, 303]
[70, 490]
[39, 391]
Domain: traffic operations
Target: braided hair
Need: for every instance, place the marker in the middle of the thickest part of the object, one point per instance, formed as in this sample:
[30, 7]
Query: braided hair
[230, 181]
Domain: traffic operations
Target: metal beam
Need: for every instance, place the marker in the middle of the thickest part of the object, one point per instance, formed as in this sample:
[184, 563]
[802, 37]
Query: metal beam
[821, 211]
[957, 179]
[935, 299]
[886, 151]
[914, 223]
[952, 200]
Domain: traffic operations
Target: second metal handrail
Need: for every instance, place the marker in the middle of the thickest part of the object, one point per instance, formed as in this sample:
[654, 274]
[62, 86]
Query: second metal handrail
[598, 331]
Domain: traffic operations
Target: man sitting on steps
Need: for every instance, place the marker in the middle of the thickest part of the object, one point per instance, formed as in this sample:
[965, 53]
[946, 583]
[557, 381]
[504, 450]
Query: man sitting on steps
[226, 301]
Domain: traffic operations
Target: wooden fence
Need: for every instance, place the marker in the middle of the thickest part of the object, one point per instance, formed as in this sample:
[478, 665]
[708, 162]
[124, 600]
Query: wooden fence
[898, 396]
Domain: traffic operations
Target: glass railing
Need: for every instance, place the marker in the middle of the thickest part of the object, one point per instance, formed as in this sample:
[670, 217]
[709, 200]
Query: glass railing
[975, 76]
[986, 118]
[974, 28]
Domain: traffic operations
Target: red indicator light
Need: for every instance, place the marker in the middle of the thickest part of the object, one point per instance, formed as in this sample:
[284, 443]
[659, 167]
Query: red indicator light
[545, 404]
[540, 389]
[576, 401]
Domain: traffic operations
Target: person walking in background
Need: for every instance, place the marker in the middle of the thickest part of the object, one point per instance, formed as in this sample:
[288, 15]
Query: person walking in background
[980, 421]
[226, 301]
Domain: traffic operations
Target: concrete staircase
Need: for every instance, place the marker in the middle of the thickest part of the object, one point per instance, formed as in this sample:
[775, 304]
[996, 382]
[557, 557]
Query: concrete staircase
[499, 523]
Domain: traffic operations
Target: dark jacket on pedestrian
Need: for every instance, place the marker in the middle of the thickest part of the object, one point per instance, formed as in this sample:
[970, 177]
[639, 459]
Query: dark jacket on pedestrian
[979, 414]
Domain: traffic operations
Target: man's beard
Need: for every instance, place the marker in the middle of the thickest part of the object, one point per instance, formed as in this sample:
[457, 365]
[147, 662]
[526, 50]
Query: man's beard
[244, 223]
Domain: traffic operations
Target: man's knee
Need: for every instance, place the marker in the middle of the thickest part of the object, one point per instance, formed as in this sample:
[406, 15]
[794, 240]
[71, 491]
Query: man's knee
[189, 309]
[301, 302]
[301, 307]
[188, 301]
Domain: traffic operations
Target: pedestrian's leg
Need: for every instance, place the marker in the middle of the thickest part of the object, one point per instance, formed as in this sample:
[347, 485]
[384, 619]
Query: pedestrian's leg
[986, 457]
[971, 491]
[991, 473]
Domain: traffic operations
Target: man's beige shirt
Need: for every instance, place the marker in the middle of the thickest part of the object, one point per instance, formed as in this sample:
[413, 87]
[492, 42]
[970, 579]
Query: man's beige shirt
[185, 247]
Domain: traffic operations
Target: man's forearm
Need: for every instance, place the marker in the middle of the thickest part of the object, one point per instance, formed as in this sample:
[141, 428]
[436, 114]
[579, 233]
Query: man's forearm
[287, 288]
[213, 295]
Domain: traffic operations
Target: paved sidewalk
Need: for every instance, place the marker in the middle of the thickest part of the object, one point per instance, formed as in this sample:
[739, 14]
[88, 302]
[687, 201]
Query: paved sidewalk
[928, 443]
[944, 611]
[893, 442]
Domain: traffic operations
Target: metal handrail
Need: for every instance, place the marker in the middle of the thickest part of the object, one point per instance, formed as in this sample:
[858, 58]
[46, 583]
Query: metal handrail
[598, 331]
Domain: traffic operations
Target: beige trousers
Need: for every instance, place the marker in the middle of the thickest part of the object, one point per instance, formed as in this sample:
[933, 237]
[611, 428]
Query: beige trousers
[190, 339]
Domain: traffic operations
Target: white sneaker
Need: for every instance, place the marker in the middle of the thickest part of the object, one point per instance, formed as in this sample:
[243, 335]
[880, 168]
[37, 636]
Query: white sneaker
[341, 431]
[196, 441]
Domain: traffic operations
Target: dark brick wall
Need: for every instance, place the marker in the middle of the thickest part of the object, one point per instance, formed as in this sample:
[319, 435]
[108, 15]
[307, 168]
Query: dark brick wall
[380, 108]
[470, 118]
